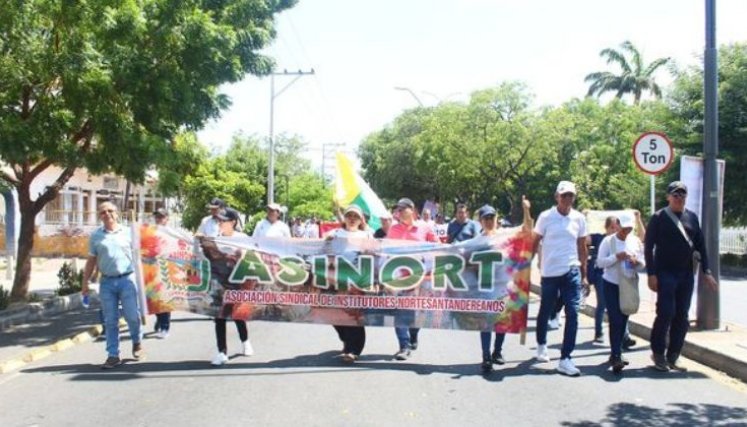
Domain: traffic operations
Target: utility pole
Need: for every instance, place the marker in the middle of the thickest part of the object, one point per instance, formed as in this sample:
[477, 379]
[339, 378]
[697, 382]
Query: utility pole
[708, 299]
[271, 168]
[328, 155]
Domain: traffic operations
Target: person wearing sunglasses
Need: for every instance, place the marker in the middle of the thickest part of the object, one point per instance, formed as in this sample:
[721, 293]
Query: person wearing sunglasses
[110, 250]
[674, 244]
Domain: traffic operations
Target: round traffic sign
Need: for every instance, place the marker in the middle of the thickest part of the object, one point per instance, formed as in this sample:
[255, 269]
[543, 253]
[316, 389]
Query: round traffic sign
[653, 153]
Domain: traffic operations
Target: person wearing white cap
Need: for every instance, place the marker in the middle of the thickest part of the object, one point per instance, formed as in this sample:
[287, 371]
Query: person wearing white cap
[616, 250]
[562, 231]
[210, 225]
[271, 226]
[352, 337]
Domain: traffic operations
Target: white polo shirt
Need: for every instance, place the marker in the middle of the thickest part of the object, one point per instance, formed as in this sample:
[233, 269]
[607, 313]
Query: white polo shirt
[560, 234]
[266, 228]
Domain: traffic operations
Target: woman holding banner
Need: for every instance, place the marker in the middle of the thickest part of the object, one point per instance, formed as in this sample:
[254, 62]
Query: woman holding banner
[490, 225]
[228, 225]
[352, 337]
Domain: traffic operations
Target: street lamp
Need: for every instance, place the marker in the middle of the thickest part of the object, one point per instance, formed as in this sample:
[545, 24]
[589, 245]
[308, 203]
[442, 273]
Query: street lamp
[407, 89]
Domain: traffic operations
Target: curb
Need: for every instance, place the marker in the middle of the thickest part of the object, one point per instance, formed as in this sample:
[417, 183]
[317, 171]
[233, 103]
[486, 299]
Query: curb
[27, 313]
[733, 367]
[59, 345]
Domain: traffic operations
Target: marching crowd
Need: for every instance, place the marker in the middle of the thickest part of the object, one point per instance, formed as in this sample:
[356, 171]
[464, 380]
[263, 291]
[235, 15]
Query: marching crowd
[669, 250]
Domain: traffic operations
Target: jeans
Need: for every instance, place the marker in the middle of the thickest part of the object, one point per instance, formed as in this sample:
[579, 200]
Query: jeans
[599, 288]
[220, 333]
[618, 320]
[485, 341]
[569, 286]
[405, 334]
[113, 292]
[672, 305]
[163, 321]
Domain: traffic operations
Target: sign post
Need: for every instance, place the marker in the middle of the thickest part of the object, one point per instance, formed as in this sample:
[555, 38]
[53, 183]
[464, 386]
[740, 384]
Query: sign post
[653, 154]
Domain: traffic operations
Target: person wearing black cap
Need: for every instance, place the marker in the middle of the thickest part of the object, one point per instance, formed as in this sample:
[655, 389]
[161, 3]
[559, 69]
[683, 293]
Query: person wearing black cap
[673, 244]
[408, 229]
[163, 320]
[490, 225]
[209, 226]
[229, 225]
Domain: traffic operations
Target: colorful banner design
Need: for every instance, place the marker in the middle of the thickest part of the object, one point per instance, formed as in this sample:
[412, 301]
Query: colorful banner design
[481, 284]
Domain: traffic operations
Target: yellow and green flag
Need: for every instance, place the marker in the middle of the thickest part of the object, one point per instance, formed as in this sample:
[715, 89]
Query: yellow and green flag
[351, 189]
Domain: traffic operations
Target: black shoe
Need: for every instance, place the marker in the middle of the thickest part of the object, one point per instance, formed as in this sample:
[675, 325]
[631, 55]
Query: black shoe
[486, 366]
[413, 345]
[617, 364]
[498, 358]
[625, 361]
[599, 339]
[673, 365]
[111, 362]
[628, 343]
[660, 363]
[402, 354]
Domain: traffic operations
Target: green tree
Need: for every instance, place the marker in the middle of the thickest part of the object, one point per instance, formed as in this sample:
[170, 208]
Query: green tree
[634, 77]
[688, 105]
[107, 85]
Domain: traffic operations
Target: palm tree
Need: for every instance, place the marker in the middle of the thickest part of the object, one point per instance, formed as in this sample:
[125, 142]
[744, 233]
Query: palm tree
[635, 78]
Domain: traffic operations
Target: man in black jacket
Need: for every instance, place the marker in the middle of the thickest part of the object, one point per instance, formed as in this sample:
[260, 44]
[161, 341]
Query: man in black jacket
[673, 237]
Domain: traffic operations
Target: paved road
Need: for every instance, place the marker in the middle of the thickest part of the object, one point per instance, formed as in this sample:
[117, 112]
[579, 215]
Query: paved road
[294, 380]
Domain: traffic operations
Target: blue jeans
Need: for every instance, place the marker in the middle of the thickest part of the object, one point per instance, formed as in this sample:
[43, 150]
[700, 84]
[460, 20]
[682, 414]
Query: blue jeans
[672, 305]
[485, 341]
[406, 335]
[113, 292]
[618, 320]
[599, 289]
[569, 287]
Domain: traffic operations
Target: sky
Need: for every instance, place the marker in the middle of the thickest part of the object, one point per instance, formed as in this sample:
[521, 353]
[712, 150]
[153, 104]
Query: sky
[442, 50]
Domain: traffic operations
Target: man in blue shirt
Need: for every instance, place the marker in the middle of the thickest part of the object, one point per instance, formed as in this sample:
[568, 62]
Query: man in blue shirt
[110, 249]
[461, 228]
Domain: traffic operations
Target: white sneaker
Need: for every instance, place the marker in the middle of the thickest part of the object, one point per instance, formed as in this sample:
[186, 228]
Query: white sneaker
[542, 353]
[554, 323]
[162, 334]
[567, 367]
[248, 350]
[219, 359]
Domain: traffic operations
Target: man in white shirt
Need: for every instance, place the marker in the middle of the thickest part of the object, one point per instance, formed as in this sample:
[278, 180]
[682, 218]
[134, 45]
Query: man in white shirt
[311, 230]
[271, 226]
[562, 231]
[210, 225]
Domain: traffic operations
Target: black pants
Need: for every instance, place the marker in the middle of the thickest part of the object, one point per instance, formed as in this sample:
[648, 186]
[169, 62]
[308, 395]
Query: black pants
[220, 333]
[353, 338]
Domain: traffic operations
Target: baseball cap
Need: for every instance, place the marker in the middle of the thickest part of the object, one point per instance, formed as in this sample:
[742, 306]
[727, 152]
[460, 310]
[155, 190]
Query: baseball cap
[274, 206]
[566, 187]
[216, 203]
[228, 214]
[676, 186]
[405, 203]
[161, 212]
[356, 209]
[486, 210]
[626, 221]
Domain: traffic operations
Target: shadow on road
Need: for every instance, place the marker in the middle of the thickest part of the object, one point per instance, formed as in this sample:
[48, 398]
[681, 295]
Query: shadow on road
[680, 414]
[327, 363]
